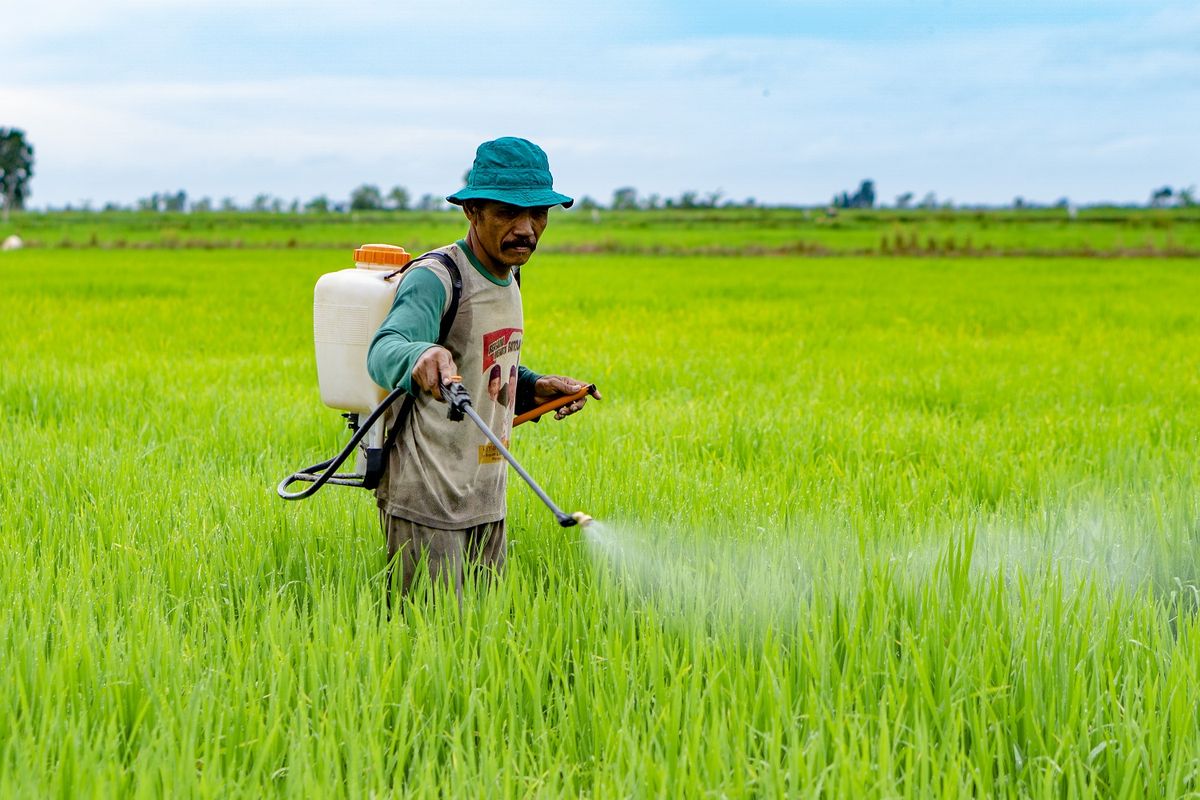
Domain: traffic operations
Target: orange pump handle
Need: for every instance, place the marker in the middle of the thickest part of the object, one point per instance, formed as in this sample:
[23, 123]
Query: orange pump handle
[556, 403]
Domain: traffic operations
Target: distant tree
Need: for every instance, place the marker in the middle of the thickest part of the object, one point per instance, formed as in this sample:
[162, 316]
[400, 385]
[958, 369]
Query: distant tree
[276, 205]
[228, 204]
[625, 199]
[1062, 202]
[294, 206]
[202, 206]
[711, 199]
[318, 205]
[1187, 196]
[863, 198]
[16, 168]
[261, 202]
[366, 198]
[586, 203]
[904, 200]
[399, 198]
[429, 202]
[174, 202]
[688, 200]
[928, 201]
[1019, 203]
[151, 203]
[652, 201]
[1161, 198]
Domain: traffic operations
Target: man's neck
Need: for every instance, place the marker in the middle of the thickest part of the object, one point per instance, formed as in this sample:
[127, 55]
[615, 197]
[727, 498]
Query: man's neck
[501, 271]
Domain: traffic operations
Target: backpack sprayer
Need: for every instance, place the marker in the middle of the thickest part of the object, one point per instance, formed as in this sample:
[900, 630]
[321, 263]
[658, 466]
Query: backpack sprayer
[348, 307]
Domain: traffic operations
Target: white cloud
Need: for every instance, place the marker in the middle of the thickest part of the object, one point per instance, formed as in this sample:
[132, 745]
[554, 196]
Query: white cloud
[1097, 110]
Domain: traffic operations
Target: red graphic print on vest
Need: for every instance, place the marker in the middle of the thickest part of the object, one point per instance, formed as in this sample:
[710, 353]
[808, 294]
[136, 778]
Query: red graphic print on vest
[501, 354]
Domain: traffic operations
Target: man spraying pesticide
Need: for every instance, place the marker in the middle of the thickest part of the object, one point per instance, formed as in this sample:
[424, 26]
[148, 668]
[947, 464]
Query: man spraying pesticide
[450, 347]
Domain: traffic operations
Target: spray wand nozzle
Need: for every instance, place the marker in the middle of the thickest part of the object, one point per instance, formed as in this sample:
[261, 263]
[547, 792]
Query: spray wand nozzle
[459, 400]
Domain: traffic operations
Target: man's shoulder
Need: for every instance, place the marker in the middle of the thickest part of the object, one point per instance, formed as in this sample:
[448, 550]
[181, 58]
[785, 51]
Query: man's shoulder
[452, 250]
[435, 261]
[428, 264]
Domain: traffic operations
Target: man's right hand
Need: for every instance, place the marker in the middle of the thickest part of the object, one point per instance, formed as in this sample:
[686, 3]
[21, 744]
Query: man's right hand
[433, 368]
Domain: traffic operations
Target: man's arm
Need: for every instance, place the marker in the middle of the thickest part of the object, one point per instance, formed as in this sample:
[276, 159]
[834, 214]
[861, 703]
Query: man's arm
[410, 329]
[526, 386]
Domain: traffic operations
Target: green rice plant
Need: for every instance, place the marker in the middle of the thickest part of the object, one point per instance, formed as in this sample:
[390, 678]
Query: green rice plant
[868, 527]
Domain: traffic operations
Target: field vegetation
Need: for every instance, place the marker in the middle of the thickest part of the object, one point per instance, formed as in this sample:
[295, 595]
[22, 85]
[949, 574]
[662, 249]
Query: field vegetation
[1042, 232]
[902, 526]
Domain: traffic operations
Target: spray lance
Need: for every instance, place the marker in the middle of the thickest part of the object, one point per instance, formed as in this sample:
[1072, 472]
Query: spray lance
[459, 400]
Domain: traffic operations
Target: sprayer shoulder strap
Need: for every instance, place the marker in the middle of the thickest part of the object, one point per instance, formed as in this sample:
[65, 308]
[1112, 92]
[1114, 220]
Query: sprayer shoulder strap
[456, 286]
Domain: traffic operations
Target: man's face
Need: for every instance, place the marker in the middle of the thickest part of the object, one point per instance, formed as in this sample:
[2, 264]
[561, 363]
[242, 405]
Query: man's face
[507, 234]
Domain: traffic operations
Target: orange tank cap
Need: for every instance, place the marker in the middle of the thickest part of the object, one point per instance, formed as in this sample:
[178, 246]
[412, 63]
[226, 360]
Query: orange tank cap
[382, 254]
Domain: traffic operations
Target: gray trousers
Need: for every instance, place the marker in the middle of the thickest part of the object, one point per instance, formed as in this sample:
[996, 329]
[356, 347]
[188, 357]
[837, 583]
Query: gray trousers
[445, 555]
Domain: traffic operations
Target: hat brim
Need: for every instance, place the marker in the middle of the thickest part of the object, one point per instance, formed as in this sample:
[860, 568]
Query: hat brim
[525, 198]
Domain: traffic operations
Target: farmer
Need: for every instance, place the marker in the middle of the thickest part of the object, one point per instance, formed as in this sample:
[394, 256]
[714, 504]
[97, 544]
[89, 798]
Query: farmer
[443, 496]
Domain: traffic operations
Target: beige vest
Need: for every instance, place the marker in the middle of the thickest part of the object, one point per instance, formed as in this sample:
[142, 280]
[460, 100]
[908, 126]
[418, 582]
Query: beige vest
[446, 474]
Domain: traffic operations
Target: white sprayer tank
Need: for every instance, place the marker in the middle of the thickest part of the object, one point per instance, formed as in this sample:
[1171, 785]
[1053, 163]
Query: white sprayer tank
[348, 307]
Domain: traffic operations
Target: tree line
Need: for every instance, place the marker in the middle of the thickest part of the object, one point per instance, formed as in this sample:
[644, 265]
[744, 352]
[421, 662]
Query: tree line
[16, 170]
[864, 197]
[369, 197]
[366, 197]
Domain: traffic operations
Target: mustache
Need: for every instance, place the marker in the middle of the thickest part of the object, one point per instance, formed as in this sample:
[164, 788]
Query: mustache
[515, 243]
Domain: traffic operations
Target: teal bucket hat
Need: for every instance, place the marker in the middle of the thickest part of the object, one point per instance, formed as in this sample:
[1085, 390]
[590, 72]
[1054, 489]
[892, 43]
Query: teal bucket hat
[514, 171]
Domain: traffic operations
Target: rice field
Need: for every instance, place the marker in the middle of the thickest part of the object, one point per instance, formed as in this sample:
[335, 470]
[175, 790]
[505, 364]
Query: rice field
[969, 232]
[869, 527]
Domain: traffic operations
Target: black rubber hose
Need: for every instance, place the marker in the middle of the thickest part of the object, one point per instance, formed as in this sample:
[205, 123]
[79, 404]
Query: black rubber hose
[331, 465]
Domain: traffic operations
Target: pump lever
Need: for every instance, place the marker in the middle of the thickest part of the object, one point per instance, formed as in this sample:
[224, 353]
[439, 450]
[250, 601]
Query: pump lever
[457, 397]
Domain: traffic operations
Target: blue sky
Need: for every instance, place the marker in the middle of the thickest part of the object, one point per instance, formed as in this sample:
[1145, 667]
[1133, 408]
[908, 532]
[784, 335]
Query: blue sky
[781, 100]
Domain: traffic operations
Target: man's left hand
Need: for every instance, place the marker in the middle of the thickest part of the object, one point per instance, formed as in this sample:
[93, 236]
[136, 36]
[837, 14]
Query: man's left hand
[551, 387]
